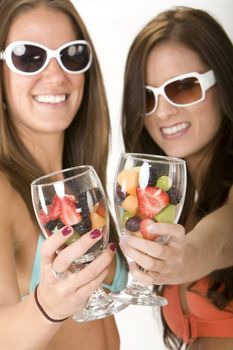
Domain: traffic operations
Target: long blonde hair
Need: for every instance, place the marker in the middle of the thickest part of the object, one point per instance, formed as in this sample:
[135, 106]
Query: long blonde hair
[86, 139]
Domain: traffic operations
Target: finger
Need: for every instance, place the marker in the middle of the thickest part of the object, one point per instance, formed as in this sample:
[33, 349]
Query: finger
[52, 244]
[132, 245]
[143, 259]
[92, 270]
[146, 277]
[76, 250]
[175, 231]
[85, 291]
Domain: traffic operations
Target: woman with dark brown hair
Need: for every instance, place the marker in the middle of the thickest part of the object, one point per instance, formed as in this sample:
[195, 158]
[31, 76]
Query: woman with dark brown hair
[53, 115]
[178, 102]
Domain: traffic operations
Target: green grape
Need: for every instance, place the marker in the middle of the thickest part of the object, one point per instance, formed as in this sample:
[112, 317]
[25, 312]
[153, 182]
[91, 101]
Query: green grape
[164, 182]
[126, 217]
[168, 214]
[75, 236]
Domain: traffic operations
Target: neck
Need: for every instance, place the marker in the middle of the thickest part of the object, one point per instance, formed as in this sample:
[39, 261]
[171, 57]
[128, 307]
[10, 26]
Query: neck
[47, 150]
[198, 163]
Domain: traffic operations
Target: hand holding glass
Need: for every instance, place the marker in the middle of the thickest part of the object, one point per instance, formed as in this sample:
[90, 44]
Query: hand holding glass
[147, 189]
[75, 197]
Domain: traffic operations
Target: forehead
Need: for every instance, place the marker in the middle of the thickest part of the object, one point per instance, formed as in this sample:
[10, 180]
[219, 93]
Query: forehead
[43, 25]
[167, 60]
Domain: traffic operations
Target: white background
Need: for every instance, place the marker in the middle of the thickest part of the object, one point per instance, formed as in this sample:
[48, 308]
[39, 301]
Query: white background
[113, 25]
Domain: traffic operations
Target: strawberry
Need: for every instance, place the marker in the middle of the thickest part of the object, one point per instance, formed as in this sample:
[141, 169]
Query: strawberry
[151, 201]
[100, 208]
[144, 224]
[45, 217]
[56, 208]
[69, 214]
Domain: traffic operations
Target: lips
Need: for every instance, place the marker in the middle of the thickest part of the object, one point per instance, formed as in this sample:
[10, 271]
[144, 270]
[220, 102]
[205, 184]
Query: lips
[175, 129]
[52, 99]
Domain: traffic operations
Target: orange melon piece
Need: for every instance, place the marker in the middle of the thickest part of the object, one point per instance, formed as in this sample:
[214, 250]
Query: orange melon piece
[97, 221]
[130, 204]
[128, 179]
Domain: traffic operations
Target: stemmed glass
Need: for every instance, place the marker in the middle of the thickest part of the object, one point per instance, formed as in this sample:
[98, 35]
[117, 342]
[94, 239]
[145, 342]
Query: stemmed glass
[75, 197]
[147, 189]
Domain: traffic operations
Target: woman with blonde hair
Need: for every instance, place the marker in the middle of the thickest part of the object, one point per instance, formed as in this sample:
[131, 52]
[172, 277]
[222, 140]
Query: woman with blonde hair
[53, 115]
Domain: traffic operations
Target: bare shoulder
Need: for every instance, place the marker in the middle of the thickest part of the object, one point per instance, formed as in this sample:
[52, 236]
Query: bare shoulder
[12, 208]
[220, 219]
[8, 279]
[7, 198]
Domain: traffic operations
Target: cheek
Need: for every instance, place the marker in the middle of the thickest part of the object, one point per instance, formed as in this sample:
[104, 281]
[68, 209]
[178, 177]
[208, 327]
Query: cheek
[209, 121]
[152, 128]
[15, 87]
[78, 89]
[78, 82]
[11, 95]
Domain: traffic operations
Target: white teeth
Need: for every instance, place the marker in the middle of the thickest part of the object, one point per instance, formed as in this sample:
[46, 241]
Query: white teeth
[174, 129]
[50, 98]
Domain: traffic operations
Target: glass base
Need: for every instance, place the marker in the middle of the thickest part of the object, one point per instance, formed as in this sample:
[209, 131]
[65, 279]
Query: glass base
[139, 294]
[100, 305]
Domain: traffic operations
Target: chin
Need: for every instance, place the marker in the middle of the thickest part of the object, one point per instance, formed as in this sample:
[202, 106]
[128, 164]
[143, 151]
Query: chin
[176, 153]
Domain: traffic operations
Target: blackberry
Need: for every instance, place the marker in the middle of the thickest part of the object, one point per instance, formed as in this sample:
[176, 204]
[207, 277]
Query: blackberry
[175, 195]
[51, 225]
[82, 197]
[153, 177]
[133, 223]
[59, 224]
[96, 194]
[82, 201]
[82, 227]
[83, 205]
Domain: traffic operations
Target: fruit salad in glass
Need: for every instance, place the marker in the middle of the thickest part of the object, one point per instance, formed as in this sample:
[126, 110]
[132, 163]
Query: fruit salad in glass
[147, 189]
[84, 211]
[75, 197]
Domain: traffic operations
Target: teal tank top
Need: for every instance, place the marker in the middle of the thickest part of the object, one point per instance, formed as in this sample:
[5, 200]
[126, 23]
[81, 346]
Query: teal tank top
[119, 281]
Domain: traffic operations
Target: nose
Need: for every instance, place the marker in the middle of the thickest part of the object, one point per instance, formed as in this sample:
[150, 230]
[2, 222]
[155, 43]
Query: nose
[165, 109]
[53, 72]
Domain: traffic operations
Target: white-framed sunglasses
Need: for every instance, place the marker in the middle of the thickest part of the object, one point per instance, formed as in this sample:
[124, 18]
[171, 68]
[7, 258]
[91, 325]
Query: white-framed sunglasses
[181, 91]
[30, 58]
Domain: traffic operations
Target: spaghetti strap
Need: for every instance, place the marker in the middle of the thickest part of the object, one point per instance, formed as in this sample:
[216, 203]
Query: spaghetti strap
[35, 278]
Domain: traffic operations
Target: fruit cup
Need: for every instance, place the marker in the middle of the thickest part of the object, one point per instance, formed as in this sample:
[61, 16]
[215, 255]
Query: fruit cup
[147, 189]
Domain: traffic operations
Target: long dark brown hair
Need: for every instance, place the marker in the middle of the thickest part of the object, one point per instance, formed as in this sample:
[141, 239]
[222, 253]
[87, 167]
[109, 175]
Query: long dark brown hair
[86, 139]
[200, 32]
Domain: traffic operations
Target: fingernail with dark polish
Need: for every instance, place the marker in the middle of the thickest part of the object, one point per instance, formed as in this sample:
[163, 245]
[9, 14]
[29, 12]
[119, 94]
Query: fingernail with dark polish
[112, 246]
[95, 234]
[66, 230]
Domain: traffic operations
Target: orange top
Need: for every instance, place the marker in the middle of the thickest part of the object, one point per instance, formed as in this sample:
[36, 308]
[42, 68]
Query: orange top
[203, 319]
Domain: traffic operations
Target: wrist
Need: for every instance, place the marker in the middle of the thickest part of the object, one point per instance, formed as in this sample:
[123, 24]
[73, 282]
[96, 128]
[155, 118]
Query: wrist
[44, 313]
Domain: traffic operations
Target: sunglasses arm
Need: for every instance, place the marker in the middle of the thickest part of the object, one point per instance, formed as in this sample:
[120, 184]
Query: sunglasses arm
[209, 79]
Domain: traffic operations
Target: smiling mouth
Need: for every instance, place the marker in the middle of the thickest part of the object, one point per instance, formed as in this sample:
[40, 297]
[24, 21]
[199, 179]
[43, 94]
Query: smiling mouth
[175, 129]
[52, 99]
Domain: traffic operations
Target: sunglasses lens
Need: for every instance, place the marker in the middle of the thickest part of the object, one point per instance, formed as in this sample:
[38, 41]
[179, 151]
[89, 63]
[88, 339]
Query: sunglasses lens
[150, 100]
[28, 58]
[184, 91]
[75, 57]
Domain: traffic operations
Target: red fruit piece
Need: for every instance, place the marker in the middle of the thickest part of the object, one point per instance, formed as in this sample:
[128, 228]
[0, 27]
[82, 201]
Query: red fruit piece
[56, 208]
[69, 214]
[45, 217]
[71, 197]
[151, 201]
[100, 208]
[144, 230]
